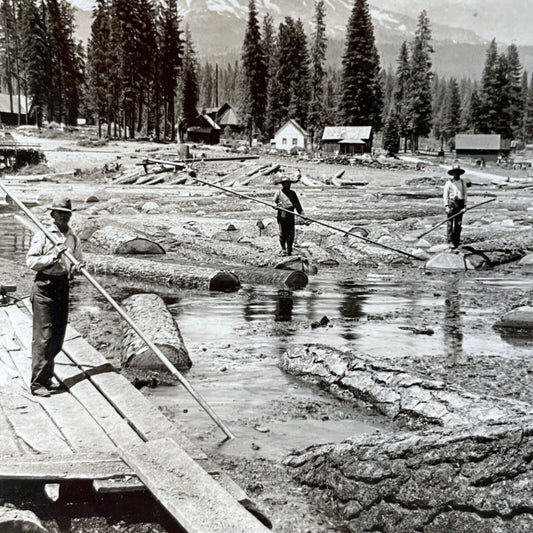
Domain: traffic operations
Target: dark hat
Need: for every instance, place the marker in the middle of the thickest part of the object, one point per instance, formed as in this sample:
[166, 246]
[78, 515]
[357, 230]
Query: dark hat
[285, 179]
[61, 204]
[456, 169]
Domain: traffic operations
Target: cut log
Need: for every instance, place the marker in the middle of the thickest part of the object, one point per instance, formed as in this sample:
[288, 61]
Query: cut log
[297, 263]
[518, 318]
[13, 520]
[122, 240]
[159, 326]
[469, 479]
[167, 274]
[502, 250]
[267, 276]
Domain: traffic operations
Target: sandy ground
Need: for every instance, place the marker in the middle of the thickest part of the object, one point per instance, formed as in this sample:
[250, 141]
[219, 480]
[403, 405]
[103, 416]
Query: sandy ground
[473, 357]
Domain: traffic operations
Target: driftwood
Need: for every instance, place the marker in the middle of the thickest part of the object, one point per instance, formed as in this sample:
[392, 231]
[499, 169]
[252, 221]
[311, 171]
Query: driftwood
[122, 240]
[464, 480]
[159, 326]
[267, 276]
[167, 274]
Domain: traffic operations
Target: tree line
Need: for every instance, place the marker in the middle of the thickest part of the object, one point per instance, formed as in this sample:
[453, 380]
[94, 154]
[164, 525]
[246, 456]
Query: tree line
[140, 75]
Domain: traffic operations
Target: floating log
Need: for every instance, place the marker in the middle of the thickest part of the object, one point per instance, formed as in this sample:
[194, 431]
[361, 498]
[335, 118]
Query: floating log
[159, 325]
[122, 240]
[267, 276]
[167, 274]
[297, 263]
[14, 520]
[517, 318]
[501, 250]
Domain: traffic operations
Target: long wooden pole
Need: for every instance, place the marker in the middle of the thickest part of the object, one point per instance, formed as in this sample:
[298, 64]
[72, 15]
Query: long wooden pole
[453, 216]
[326, 225]
[125, 316]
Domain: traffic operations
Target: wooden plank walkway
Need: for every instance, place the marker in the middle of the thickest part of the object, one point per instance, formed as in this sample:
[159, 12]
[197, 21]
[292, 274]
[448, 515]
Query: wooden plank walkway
[101, 428]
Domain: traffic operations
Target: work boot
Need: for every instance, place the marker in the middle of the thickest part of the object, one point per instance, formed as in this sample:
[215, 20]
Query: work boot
[41, 391]
[51, 386]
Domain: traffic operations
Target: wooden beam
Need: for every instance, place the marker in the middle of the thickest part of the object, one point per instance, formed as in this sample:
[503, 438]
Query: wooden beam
[197, 502]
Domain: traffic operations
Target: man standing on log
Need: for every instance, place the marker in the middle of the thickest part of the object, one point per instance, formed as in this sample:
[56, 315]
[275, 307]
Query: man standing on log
[50, 294]
[454, 203]
[286, 199]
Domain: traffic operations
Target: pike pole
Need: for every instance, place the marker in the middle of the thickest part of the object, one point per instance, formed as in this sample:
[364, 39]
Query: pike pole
[453, 216]
[246, 197]
[160, 355]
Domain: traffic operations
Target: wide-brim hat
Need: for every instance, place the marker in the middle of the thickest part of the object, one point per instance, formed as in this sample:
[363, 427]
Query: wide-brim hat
[285, 180]
[456, 170]
[61, 204]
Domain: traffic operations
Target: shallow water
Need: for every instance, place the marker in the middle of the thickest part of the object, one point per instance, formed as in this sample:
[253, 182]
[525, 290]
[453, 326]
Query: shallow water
[234, 342]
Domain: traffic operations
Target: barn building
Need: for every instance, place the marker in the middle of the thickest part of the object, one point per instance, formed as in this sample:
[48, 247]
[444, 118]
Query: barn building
[488, 146]
[347, 139]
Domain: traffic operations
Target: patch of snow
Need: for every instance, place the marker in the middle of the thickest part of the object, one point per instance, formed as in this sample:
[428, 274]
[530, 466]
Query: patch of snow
[271, 6]
[382, 17]
[402, 27]
[225, 6]
[84, 5]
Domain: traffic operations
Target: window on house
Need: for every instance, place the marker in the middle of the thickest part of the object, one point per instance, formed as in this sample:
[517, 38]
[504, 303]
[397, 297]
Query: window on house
[294, 141]
[284, 140]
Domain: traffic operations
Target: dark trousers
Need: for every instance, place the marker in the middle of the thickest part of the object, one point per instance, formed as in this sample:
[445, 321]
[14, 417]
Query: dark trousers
[49, 299]
[455, 224]
[286, 230]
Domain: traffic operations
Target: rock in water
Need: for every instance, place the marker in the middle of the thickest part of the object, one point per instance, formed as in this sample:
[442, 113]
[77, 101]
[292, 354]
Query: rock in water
[156, 322]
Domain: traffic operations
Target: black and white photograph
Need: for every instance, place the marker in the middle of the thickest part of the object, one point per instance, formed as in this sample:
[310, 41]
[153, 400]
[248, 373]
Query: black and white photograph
[266, 265]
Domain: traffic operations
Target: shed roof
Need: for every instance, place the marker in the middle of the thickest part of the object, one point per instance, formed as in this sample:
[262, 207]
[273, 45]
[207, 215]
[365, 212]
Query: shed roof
[340, 133]
[352, 141]
[5, 106]
[478, 142]
[295, 124]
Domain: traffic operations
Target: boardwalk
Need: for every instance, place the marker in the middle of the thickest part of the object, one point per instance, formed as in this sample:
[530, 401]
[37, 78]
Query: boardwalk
[102, 429]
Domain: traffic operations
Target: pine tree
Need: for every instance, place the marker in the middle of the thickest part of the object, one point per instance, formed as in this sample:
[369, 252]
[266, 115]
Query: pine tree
[514, 89]
[36, 58]
[189, 91]
[419, 97]
[452, 110]
[391, 133]
[316, 115]
[488, 93]
[299, 86]
[269, 44]
[254, 67]
[361, 93]
[528, 121]
[401, 94]
[502, 119]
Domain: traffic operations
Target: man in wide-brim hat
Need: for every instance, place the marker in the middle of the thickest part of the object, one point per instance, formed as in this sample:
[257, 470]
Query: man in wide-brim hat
[50, 293]
[288, 200]
[455, 202]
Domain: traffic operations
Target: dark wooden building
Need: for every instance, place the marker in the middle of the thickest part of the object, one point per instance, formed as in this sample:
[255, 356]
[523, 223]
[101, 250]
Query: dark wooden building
[488, 146]
[226, 117]
[9, 115]
[204, 130]
[347, 139]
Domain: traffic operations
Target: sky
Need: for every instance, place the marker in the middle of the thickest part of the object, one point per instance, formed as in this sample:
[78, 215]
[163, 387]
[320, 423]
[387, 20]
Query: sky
[509, 21]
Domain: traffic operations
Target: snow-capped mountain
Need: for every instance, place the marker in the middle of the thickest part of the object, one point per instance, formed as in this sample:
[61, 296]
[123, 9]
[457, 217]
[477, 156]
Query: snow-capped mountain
[217, 28]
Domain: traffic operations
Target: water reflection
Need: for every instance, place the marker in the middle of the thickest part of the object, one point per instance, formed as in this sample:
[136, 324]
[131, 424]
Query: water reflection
[353, 296]
[453, 327]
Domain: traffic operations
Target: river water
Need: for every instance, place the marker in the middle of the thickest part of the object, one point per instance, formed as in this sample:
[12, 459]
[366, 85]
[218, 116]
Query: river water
[235, 340]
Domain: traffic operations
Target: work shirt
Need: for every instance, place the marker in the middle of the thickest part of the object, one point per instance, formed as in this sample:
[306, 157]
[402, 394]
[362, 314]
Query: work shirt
[454, 190]
[41, 256]
[287, 200]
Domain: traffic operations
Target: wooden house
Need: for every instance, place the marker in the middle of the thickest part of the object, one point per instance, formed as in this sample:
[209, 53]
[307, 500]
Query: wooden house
[226, 117]
[204, 130]
[290, 135]
[9, 115]
[488, 146]
[347, 139]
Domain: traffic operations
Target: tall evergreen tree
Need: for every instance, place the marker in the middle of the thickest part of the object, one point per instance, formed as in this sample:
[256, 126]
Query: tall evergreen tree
[489, 90]
[269, 44]
[452, 110]
[315, 119]
[528, 120]
[254, 67]
[189, 89]
[391, 132]
[419, 99]
[401, 94]
[361, 93]
[502, 118]
[514, 89]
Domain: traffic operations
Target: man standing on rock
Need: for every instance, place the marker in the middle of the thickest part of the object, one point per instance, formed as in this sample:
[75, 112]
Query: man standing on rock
[50, 294]
[287, 199]
[454, 203]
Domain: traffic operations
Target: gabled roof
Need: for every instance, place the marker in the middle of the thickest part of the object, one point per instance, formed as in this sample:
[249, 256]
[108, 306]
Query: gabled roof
[229, 118]
[5, 106]
[295, 124]
[345, 133]
[478, 142]
[205, 121]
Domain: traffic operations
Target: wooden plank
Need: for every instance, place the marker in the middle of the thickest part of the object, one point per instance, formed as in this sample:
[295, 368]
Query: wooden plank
[197, 502]
[52, 467]
[104, 419]
[130, 483]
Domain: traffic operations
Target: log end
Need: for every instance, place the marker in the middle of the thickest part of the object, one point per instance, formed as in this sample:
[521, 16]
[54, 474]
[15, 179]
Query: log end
[139, 246]
[224, 281]
[147, 360]
[296, 280]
